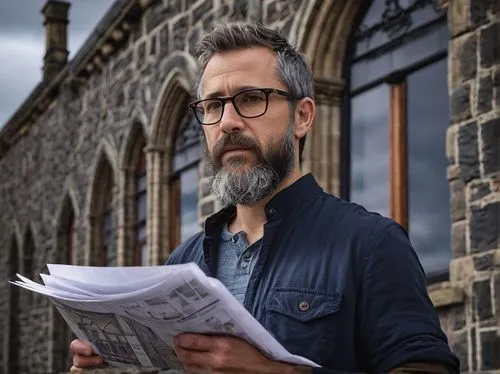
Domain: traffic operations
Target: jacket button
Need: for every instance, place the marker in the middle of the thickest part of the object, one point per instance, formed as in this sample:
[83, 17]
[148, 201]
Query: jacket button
[304, 306]
[272, 211]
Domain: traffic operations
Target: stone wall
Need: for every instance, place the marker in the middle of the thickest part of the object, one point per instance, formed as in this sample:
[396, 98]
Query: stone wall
[474, 173]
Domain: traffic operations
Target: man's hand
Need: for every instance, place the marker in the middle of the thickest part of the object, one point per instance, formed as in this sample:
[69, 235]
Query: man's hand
[83, 356]
[227, 355]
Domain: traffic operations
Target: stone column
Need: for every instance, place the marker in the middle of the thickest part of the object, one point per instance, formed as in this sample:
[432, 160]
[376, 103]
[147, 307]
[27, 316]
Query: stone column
[158, 204]
[322, 149]
[473, 151]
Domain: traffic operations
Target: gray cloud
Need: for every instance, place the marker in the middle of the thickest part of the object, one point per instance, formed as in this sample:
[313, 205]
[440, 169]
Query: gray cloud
[23, 42]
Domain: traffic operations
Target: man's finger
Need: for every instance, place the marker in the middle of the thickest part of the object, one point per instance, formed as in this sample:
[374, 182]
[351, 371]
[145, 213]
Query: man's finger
[78, 346]
[80, 361]
[195, 342]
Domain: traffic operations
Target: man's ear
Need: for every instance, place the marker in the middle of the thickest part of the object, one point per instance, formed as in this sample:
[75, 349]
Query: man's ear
[305, 110]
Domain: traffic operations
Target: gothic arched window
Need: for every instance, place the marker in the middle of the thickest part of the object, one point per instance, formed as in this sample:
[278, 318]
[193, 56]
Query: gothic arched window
[396, 121]
[103, 218]
[184, 180]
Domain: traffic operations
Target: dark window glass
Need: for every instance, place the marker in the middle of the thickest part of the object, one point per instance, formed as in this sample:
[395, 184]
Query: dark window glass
[428, 119]
[370, 149]
[109, 237]
[189, 202]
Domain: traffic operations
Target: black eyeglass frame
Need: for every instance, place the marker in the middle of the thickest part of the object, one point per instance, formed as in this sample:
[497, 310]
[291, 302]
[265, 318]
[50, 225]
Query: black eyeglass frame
[225, 99]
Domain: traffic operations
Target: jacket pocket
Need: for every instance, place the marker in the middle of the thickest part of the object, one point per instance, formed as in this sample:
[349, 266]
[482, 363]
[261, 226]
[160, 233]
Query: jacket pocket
[303, 320]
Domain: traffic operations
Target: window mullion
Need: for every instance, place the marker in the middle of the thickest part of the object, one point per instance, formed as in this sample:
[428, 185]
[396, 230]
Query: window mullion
[398, 197]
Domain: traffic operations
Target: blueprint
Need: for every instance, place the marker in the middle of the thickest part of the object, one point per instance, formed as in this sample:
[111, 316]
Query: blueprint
[130, 315]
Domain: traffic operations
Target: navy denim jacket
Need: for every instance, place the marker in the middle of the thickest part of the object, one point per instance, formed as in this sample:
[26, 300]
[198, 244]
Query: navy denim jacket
[334, 283]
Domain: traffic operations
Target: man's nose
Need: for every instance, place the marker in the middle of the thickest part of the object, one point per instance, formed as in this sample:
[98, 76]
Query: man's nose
[231, 121]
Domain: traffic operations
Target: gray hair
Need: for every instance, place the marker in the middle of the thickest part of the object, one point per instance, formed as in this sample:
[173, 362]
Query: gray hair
[291, 65]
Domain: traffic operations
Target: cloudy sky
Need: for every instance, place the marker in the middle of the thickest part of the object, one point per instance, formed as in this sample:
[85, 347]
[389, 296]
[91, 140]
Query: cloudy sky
[22, 45]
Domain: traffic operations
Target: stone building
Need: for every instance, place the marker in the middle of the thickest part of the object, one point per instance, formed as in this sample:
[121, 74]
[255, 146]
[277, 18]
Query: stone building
[102, 165]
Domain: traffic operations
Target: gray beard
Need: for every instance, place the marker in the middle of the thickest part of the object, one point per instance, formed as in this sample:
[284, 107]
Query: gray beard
[244, 187]
[247, 187]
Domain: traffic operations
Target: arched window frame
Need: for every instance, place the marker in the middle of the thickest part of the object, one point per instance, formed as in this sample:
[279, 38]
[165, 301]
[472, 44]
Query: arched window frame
[103, 218]
[186, 156]
[400, 32]
[66, 254]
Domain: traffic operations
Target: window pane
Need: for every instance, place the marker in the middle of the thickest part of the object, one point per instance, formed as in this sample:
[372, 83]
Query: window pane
[141, 232]
[189, 203]
[142, 207]
[109, 238]
[144, 254]
[428, 118]
[141, 183]
[370, 149]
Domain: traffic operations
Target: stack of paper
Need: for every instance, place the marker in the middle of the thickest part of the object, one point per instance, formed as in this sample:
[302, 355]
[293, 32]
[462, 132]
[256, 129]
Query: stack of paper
[130, 315]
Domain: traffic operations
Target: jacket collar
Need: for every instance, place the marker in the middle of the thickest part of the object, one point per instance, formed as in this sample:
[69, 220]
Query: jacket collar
[281, 205]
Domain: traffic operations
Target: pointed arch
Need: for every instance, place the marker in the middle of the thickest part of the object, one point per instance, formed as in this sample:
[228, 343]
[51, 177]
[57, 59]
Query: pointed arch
[323, 34]
[65, 240]
[175, 93]
[28, 253]
[66, 229]
[134, 166]
[170, 113]
[101, 204]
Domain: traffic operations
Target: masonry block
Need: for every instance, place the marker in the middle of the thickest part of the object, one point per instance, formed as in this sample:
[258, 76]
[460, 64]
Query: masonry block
[490, 135]
[482, 296]
[463, 65]
[485, 95]
[457, 200]
[490, 348]
[489, 45]
[460, 103]
[484, 227]
[468, 154]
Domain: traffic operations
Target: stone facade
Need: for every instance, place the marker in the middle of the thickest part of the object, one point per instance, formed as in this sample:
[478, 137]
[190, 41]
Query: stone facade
[134, 81]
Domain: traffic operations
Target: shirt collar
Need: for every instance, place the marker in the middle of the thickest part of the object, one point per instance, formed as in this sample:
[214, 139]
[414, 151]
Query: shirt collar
[297, 194]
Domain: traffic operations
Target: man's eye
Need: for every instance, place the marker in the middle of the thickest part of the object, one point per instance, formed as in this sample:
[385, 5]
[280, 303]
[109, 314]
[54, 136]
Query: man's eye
[252, 98]
[211, 106]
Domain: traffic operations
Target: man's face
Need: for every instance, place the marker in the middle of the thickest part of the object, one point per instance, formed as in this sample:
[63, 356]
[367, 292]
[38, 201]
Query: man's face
[249, 156]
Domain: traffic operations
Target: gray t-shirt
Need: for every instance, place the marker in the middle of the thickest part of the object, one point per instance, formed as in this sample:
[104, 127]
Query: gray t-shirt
[236, 261]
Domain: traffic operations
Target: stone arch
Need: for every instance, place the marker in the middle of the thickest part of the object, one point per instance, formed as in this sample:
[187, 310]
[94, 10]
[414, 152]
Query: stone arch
[137, 129]
[322, 35]
[28, 252]
[135, 169]
[105, 178]
[176, 88]
[169, 110]
[67, 216]
[325, 34]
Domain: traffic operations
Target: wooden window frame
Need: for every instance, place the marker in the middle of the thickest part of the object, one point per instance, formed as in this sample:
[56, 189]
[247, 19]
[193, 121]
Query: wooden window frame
[398, 154]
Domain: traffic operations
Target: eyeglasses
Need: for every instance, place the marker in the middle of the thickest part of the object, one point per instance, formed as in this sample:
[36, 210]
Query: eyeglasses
[250, 103]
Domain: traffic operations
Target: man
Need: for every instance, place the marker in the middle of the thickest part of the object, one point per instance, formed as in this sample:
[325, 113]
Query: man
[331, 281]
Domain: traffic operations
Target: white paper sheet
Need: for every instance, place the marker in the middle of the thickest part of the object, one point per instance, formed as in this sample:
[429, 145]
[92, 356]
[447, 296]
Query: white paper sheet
[130, 315]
